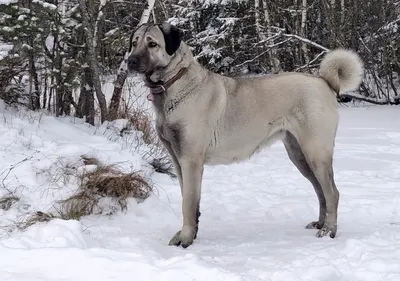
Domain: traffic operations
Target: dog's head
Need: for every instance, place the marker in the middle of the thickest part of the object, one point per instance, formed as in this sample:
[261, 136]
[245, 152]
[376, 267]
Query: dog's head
[152, 47]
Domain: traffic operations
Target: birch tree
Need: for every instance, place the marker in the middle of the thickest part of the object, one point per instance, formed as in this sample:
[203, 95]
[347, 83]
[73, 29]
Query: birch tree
[303, 30]
[123, 69]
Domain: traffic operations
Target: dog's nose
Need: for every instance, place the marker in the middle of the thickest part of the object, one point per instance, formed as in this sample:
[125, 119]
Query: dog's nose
[133, 62]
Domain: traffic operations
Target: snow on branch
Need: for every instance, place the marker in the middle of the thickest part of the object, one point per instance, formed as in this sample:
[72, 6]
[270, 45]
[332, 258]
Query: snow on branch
[307, 41]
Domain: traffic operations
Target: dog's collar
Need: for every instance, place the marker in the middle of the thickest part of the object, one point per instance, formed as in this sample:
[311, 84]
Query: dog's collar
[160, 87]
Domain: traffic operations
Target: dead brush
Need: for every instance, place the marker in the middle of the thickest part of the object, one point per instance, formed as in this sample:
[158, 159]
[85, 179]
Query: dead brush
[35, 218]
[105, 181]
[95, 190]
[7, 201]
[140, 121]
[158, 156]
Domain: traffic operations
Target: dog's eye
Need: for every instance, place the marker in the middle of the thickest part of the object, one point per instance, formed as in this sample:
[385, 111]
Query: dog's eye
[134, 44]
[152, 45]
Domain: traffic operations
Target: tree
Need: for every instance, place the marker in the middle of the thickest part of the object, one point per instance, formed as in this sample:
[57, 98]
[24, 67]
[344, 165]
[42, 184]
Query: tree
[91, 29]
[123, 70]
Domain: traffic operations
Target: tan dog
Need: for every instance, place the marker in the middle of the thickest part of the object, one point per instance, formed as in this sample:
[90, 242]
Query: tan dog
[206, 118]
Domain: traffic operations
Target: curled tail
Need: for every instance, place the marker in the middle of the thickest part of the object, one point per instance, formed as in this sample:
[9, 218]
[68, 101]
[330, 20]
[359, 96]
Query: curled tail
[342, 69]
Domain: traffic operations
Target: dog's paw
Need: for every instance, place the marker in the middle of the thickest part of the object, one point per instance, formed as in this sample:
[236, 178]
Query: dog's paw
[327, 230]
[315, 225]
[183, 238]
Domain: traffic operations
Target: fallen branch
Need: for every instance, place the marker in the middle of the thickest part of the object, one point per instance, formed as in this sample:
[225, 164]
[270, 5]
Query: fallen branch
[377, 102]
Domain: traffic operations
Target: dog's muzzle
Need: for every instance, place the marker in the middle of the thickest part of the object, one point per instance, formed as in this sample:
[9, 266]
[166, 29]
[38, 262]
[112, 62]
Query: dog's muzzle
[137, 64]
[133, 63]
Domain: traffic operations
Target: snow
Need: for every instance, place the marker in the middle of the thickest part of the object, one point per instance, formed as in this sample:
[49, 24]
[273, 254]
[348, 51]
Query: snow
[111, 32]
[6, 2]
[4, 49]
[45, 4]
[253, 213]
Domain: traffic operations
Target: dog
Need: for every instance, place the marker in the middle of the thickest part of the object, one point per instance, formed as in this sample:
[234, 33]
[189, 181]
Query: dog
[204, 118]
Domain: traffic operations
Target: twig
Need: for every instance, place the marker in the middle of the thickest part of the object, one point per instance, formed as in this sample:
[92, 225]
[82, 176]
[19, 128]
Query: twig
[269, 47]
[312, 61]
[12, 167]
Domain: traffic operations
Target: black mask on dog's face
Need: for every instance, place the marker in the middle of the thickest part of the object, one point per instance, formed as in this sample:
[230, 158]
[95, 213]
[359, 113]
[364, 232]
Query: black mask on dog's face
[152, 47]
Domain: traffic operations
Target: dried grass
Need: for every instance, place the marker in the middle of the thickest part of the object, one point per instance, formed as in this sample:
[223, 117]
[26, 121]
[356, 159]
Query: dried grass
[35, 218]
[104, 190]
[141, 122]
[158, 157]
[103, 181]
[7, 201]
[140, 117]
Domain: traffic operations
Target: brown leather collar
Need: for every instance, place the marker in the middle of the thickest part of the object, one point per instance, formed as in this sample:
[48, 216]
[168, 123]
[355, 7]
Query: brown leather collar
[160, 87]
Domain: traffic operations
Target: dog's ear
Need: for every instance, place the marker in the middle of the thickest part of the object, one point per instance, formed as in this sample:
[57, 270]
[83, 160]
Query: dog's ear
[172, 37]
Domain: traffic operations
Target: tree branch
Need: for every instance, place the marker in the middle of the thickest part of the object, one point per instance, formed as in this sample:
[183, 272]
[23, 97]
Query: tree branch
[377, 102]
[309, 42]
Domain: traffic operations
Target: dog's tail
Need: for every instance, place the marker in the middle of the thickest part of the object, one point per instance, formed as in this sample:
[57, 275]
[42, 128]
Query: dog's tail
[342, 69]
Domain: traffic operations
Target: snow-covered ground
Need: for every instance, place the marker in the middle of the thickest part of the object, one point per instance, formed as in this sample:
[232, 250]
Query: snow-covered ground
[253, 213]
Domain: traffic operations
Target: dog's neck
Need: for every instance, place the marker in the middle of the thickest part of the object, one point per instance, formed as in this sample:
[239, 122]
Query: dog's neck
[160, 87]
[161, 79]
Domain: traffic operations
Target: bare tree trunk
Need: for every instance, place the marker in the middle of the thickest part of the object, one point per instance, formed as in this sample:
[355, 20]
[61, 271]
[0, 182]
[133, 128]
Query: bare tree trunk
[154, 16]
[89, 103]
[303, 30]
[51, 93]
[259, 32]
[342, 12]
[85, 107]
[123, 69]
[257, 17]
[147, 12]
[100, 15]
[59, 89]
[34, 82]
[95, 70]
[45, 92]
[117, 93]
[273, 56]
[82, 98]
[296, 29]
[57, 86]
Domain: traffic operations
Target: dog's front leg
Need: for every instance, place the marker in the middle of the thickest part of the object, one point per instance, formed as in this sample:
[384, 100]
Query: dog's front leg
[192, 173]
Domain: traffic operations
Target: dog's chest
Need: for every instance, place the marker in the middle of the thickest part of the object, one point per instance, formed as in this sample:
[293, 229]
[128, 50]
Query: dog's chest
[158, 103]
[169, 129]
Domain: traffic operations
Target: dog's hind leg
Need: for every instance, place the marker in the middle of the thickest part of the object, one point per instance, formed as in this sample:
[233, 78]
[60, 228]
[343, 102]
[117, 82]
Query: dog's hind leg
[296, 155]
[318, 151]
